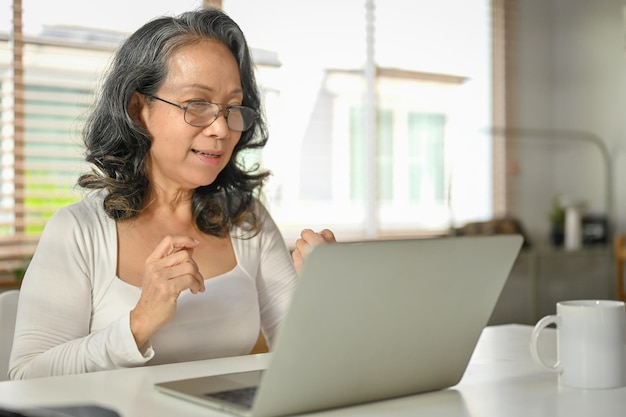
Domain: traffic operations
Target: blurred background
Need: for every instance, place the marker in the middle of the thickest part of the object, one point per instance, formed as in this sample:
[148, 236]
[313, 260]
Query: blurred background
[387, 119]
[375, 108]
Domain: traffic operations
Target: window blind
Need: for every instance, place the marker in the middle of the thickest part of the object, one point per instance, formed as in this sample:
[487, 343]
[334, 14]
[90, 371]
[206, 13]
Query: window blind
[42, 111]
[41, 156]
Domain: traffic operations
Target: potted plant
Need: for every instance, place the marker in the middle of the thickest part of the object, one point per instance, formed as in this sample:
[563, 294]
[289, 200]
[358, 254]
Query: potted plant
[556, 216]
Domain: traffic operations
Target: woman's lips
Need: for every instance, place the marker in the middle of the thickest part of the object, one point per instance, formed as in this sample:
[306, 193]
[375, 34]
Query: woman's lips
[212, 157]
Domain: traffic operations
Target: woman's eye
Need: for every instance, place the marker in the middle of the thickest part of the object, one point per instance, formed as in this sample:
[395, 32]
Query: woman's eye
[198, 105]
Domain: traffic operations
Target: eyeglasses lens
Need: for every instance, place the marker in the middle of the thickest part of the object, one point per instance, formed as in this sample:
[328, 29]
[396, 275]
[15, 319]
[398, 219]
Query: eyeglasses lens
[239, 118]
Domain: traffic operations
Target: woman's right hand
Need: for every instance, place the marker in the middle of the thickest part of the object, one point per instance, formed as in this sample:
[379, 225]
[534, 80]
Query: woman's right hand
[169, 270]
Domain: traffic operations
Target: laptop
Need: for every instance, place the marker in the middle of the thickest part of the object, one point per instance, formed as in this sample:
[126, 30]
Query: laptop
[370, 321]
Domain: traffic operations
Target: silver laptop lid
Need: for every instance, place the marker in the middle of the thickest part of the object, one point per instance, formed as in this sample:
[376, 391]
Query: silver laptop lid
[371, 321]
[382, 319]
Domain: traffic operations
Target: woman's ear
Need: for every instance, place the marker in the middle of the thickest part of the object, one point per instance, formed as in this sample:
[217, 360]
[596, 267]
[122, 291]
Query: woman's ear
[135, 105]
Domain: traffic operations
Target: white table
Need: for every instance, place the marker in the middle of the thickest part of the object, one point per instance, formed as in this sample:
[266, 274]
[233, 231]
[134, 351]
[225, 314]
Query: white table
[501, 381]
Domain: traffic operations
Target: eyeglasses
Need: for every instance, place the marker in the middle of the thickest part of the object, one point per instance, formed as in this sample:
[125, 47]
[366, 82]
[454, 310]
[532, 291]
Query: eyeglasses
[203, 113]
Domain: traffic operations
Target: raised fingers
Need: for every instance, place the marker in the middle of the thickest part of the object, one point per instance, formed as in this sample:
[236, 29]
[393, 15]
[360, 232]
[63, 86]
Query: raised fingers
[308, 239]
[172, 244]
[328, 235]
[180, 269]
[172, 260]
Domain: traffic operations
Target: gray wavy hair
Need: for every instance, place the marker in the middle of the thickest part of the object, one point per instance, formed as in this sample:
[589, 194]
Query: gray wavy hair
[116, 147]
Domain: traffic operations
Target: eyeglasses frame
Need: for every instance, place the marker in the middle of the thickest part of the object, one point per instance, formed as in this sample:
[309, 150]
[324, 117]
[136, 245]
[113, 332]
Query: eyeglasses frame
[225, 110]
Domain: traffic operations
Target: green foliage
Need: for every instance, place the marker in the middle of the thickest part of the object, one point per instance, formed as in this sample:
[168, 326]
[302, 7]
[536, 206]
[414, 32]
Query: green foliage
[21, 271]
[44, 207]
[557, 212]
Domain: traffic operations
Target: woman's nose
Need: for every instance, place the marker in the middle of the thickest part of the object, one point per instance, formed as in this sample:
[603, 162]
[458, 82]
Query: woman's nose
[219, 126]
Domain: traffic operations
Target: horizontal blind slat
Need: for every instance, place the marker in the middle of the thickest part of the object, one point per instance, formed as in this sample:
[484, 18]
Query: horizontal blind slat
[39, 175]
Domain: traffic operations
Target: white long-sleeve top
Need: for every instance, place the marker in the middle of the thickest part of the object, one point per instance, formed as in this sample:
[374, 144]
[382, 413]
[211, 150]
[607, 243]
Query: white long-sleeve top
[74, 312]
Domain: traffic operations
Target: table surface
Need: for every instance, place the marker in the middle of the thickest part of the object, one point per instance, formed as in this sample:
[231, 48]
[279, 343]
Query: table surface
[501, 380]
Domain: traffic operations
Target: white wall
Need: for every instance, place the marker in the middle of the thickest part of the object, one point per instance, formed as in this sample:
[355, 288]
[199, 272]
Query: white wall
[571, 71]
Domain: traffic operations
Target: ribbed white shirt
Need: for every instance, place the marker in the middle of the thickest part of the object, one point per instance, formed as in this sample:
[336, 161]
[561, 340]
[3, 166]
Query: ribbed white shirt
[74, 313]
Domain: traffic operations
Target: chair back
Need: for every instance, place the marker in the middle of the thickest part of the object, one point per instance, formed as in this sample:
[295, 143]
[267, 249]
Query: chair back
[8, 314]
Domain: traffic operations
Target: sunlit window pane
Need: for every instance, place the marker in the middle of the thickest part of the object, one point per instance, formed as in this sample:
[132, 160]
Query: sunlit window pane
[432, 93]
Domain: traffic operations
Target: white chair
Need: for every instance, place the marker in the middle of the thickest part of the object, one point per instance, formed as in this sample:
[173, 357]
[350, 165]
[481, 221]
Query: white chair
[8, 313]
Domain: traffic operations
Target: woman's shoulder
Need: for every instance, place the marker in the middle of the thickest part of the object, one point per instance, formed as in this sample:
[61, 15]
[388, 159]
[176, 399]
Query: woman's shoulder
[259, 208]
[88, 209]
[253, 245]
[260, 224]
[261, 215]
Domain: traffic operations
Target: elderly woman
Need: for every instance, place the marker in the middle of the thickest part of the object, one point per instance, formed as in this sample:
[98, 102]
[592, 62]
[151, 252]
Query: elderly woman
[170, 256]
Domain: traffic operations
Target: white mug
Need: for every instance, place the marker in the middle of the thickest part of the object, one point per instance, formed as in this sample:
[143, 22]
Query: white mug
[591, 343]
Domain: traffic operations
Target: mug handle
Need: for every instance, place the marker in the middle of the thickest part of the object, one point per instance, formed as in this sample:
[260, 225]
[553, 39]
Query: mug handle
[539, 327]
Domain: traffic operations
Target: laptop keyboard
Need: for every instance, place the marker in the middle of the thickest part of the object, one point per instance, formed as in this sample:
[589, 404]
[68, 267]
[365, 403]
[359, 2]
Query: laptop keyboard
[241, 396]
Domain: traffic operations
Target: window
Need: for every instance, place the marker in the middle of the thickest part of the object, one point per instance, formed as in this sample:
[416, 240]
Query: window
[432, 165]
[419, 118]
[52, 160]
[40, 167]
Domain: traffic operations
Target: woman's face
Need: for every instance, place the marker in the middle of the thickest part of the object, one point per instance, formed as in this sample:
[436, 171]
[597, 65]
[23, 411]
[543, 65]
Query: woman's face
[184, 157]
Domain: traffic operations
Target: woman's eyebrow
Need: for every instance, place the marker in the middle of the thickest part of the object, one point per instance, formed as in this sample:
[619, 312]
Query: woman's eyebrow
[198, 86]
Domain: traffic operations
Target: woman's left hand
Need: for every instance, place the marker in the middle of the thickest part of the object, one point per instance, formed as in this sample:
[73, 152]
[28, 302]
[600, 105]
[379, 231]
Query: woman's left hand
[308, 239]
